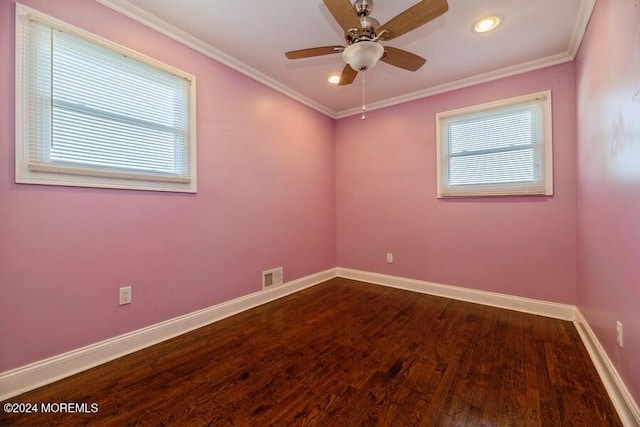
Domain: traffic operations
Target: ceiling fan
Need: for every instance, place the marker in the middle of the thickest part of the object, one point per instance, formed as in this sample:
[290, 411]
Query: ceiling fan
[363, 35]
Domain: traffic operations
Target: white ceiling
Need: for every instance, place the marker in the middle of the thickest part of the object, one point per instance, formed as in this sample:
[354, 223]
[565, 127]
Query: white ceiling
[252, 37]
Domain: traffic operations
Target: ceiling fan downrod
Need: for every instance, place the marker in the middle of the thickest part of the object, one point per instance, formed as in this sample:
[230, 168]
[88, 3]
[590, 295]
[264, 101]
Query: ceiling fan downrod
[363, 7]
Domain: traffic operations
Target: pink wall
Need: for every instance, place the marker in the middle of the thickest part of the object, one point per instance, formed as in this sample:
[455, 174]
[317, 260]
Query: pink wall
[266, 192]
[282, 185]
[386, 200]
[608, 76]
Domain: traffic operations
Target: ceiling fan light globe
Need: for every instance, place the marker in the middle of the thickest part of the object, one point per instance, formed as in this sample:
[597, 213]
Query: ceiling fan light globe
[363, 55]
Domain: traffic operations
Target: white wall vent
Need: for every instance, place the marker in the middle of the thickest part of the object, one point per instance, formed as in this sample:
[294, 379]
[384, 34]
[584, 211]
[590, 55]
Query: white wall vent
[272, 278]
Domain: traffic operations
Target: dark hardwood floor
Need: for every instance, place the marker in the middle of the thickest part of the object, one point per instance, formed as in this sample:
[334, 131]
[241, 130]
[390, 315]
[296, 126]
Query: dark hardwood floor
[346, 353]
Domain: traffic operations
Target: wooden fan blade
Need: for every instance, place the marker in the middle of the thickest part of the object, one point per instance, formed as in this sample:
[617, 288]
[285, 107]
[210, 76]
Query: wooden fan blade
[417, 15]
[402, 58]
[344, 13]
[314, 51]
[348, 75]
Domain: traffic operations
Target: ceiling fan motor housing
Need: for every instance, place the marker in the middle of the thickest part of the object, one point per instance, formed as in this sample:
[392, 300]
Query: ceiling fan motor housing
[368, 24]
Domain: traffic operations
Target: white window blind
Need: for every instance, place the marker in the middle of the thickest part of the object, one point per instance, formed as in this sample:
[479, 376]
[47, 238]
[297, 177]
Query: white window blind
[97, 114]
[502, 148]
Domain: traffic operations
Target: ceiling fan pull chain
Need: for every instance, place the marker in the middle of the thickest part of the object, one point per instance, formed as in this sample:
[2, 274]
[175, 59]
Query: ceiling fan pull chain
[364, 107]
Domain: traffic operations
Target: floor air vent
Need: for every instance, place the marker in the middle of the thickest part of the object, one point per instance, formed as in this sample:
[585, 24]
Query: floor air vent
[272, 278]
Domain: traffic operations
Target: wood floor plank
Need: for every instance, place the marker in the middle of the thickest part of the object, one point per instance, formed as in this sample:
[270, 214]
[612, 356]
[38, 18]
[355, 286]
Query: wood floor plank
[347, 353]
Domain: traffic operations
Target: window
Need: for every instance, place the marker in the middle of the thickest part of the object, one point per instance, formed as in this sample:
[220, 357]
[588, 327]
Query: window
[497, 149]
[94, 114]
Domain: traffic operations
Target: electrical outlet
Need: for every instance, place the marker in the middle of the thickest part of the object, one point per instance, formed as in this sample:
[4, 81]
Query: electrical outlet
[125, 295]
[389, 258]
[619, 339]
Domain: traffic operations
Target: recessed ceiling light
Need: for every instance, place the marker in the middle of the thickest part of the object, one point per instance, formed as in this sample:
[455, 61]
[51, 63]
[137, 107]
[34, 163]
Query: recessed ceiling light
[334, 79]
[486, 24]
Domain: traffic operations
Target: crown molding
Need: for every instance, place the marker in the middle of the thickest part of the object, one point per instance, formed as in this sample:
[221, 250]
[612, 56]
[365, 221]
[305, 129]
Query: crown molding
[577, 34]
[580, 27]
[463, 83]
[155, 23]
[128, 9]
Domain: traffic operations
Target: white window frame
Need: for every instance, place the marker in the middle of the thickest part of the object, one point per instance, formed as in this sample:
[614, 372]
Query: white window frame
[543, 167]
[26, 172]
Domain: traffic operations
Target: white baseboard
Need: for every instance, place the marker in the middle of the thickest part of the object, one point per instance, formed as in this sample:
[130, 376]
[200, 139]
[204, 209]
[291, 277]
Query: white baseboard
[29, 377]
[624, 403]
[622, 400]
[526, 305]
